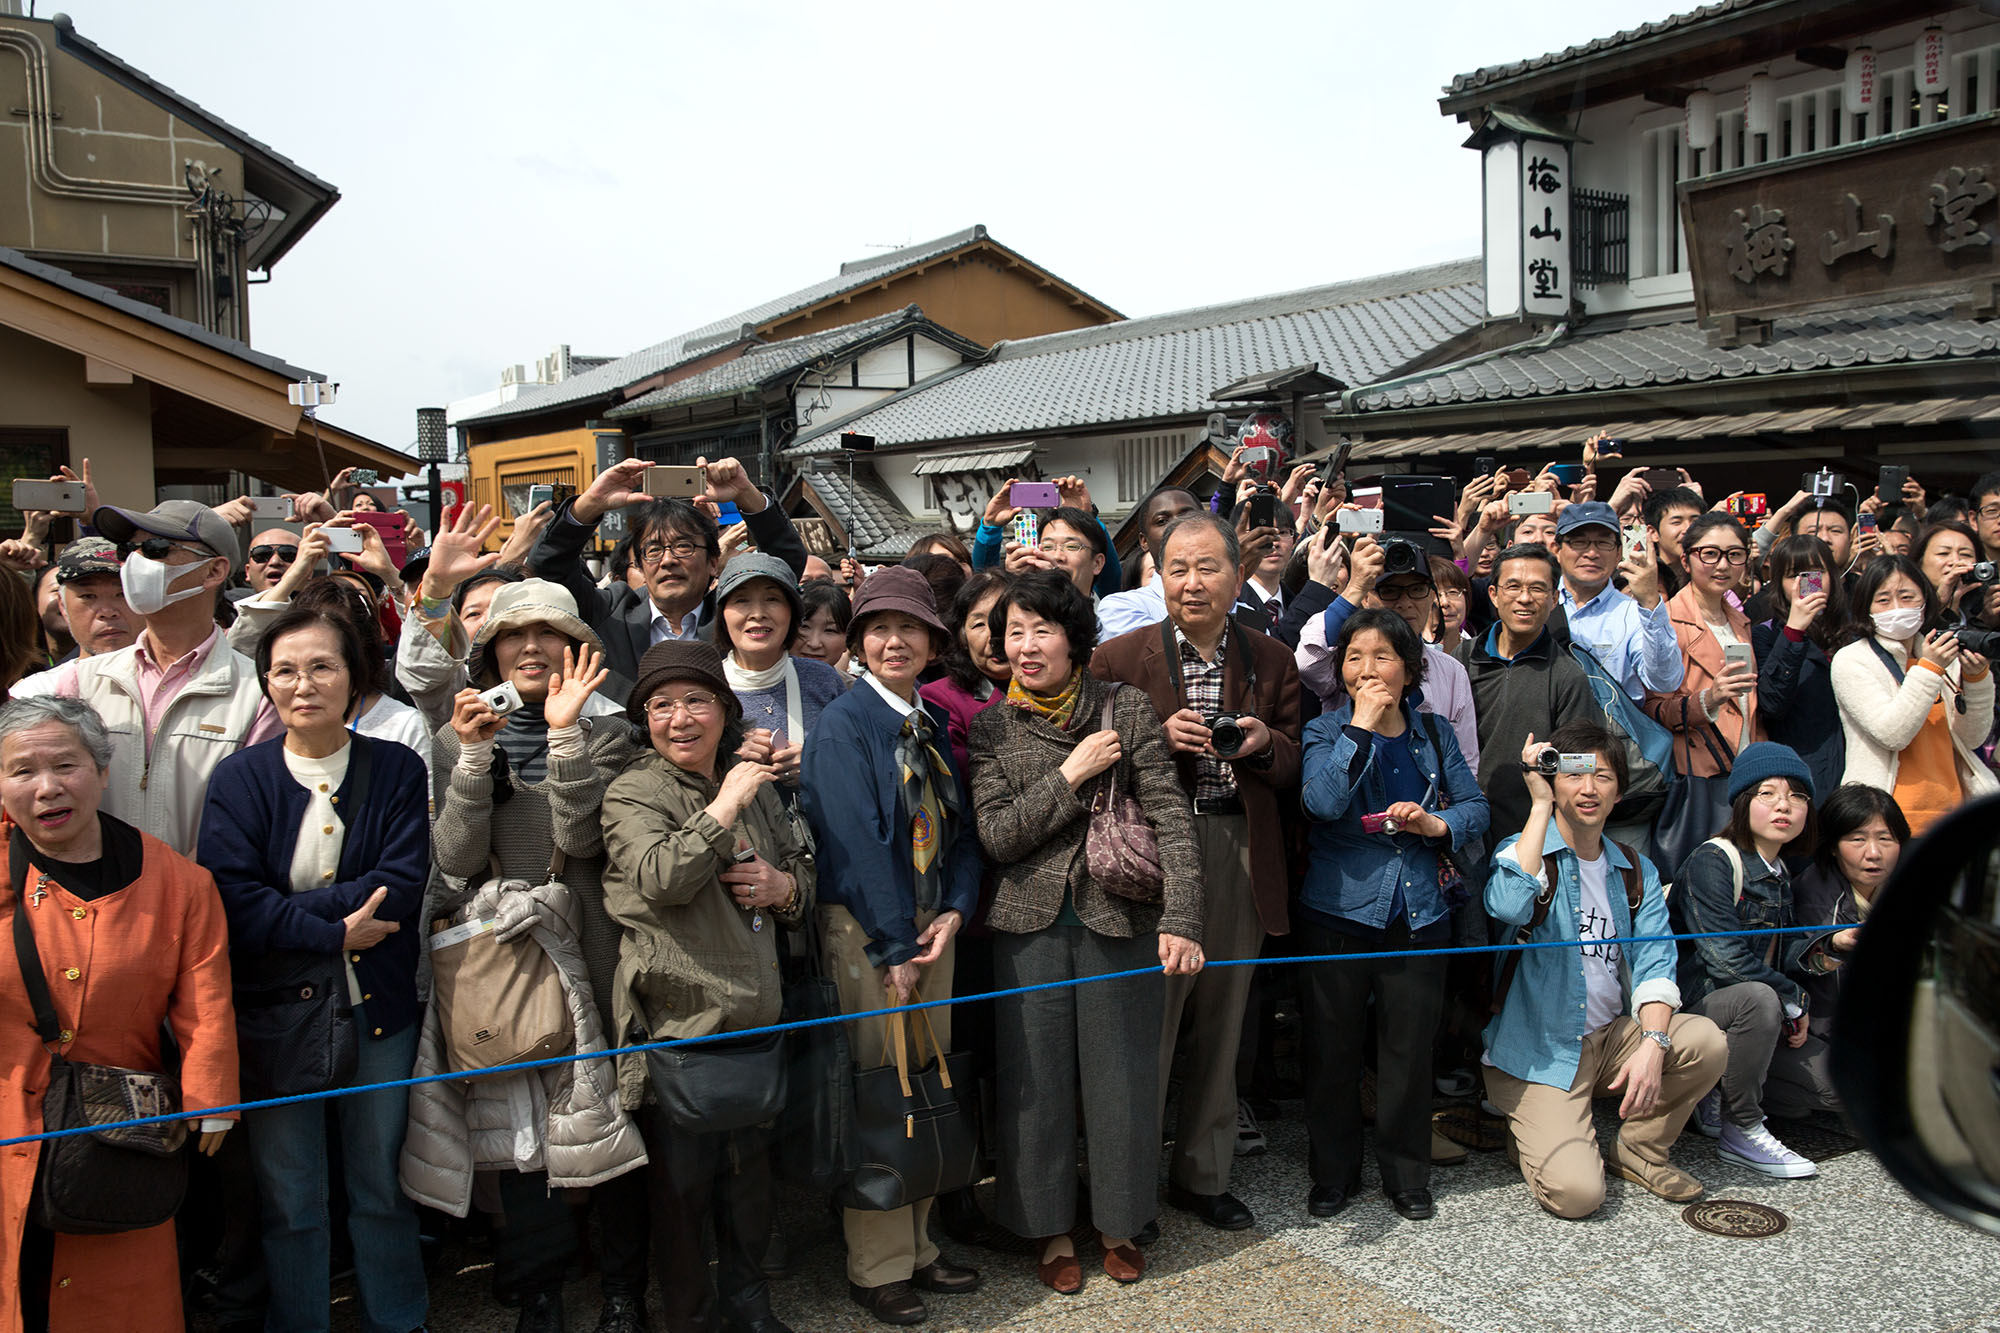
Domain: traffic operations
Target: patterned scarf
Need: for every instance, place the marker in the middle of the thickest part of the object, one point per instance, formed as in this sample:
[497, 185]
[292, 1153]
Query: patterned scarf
[1057, 708]
[931, 797]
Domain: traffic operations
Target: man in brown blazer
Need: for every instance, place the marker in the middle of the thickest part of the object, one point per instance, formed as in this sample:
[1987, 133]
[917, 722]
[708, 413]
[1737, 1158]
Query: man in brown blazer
[1194, 665]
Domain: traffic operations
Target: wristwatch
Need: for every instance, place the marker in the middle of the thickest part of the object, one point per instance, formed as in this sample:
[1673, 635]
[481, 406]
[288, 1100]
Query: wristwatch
[1658, 1038]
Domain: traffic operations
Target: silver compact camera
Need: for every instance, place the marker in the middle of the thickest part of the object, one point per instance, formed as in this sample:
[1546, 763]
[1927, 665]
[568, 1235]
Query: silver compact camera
[502, 699]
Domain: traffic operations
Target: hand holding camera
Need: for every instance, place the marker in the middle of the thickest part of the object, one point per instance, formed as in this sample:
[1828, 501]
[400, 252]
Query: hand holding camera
[1406, 817]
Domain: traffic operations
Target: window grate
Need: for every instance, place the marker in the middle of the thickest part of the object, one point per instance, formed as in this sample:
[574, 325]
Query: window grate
[1600, 237]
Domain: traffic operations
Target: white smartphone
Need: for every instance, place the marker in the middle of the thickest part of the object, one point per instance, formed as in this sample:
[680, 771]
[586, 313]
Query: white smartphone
[1740, 653]
[1522, 503]
[342, 541]
[271, 508]
[58, 497]
[502, 698]
[1360, 520]
[1632, 539]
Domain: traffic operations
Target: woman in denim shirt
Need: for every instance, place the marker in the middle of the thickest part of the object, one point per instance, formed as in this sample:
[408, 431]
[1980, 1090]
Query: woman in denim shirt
[1371, 888]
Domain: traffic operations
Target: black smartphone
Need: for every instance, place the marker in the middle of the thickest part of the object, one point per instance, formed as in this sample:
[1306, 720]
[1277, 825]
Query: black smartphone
[1605, 448]
[1660, 478]
[1336, 470]
[1265, 509]
[1484, 466]
[1889, 484]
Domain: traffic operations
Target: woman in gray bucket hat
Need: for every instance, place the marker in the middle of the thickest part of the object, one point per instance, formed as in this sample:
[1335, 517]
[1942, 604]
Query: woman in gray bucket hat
[758, 613]
[518, 789]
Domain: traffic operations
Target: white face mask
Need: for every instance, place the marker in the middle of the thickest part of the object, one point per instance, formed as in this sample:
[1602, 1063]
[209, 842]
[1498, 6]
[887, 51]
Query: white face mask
[1901, 623]
[146, 582]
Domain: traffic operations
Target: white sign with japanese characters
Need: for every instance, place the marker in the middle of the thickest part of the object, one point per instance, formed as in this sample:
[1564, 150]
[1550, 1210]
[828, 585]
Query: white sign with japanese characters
[1545, 268]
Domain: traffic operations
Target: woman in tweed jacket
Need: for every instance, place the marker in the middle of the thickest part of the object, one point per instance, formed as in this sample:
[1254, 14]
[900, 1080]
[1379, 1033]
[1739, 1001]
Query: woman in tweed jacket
[1036, 762]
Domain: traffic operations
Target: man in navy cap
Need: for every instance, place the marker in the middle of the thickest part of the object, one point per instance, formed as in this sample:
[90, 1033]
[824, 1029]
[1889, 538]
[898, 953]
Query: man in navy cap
[1630, 632]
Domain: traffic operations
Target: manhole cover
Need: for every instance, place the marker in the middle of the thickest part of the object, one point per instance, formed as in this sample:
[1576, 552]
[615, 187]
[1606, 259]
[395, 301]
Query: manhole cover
[1734, 1217]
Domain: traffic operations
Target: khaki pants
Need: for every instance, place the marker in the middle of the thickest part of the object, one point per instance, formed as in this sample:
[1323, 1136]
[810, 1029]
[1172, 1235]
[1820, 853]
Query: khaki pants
[881, 1247]
[1552, 1126]
[1205, 1125]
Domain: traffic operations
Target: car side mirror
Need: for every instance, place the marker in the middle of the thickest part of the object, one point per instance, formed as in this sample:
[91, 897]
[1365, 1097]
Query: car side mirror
[1916, 1046]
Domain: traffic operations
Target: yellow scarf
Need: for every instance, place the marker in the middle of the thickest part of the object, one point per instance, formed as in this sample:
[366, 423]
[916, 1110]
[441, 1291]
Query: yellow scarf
[1057, 708]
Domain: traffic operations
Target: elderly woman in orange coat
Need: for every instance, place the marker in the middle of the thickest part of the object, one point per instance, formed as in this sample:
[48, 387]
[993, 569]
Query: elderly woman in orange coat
[131, 935]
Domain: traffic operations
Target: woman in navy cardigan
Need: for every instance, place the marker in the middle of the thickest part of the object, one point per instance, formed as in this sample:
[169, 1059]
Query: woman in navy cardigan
[898, 875]
[320, 845]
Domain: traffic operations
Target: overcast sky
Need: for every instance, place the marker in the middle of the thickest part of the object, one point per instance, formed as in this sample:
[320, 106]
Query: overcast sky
[515, 176]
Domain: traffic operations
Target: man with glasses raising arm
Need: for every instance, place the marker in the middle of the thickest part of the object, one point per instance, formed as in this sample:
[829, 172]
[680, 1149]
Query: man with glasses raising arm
[1630, 632]
[679, 550]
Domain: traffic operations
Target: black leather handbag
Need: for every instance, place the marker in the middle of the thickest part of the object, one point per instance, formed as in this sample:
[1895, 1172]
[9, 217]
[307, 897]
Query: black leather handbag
[916, 1130]
[115, 1180]
[295, 1029]
[717, 1086]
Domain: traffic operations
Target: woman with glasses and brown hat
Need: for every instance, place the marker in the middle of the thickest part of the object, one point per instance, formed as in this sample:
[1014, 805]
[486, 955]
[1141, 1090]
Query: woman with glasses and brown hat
[703, 861]
[900, 874]
[759, 613]
[522, 788]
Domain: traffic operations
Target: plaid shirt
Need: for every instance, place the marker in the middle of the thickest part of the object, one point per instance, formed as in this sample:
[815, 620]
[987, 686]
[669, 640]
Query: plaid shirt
[1202, 684]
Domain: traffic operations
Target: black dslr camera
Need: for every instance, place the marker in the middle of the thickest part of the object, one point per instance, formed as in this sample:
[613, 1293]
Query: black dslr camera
[1402, 556]
[1977, 638]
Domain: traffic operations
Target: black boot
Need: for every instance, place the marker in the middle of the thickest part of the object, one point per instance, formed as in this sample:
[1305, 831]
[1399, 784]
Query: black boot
[623, 1314]
[541, 1312]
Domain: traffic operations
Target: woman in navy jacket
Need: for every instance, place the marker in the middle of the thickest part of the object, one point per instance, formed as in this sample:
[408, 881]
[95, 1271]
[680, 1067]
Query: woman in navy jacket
[1795, 658]
[898, 875]
[320, 845]
[1372, 888]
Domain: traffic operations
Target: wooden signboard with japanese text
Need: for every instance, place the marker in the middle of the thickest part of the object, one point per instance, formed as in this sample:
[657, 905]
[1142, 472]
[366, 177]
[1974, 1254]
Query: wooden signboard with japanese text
[1912, 212]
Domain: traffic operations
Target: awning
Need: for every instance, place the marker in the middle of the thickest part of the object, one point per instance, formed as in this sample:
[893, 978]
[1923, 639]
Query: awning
[981, 460]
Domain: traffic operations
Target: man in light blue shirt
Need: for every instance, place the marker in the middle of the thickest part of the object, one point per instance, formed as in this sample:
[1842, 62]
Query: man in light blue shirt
[1630, 632]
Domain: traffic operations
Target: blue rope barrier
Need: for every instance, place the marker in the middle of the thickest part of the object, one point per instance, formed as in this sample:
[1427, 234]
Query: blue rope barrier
[795, 1025]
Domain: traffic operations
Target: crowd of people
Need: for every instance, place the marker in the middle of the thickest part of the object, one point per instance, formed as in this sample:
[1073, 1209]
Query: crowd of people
[281, 821]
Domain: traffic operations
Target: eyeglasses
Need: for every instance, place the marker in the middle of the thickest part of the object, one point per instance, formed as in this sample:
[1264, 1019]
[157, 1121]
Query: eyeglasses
[321, 674]
[1717, 555]
[1777, 796]
[695, 703]
[1066, 548]
[1989, 512]
[655, 553]
[262, 554]
[1538, 591]
[1391, 593]
[1576, 543]
[156, 548]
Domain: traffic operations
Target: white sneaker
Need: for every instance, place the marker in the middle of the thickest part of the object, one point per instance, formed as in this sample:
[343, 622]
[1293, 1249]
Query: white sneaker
[1249, 1138]
[1708, 1114]
[1759, 1149]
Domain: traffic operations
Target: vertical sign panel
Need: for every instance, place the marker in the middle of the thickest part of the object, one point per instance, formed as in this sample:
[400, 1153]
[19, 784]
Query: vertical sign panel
[1545, 267]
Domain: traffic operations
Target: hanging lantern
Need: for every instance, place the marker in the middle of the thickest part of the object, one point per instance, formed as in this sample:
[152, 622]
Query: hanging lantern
[1933, 63]
[1760, 105]
[1701, 120]
[1859, 90]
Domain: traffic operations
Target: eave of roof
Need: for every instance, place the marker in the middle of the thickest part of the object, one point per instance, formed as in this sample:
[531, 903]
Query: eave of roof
[606, 382]
[322, 195]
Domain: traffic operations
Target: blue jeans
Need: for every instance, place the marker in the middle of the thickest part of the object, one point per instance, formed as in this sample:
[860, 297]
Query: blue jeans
[288, 1153]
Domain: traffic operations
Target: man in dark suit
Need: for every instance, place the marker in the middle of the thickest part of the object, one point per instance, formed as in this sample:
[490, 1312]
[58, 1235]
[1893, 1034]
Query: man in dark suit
[1194, 665]
[677, 546]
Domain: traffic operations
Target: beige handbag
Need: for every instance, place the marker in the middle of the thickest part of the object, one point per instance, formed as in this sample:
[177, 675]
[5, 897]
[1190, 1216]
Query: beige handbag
[499, 1001]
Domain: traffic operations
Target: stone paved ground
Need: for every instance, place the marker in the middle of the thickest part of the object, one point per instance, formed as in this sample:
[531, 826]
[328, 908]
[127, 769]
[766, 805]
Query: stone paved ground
[1859, 1254]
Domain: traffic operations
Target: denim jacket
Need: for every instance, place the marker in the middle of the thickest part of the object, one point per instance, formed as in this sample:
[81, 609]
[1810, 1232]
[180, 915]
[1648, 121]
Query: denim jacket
[1538, 1032]
[1702, 902]
[1354, 875]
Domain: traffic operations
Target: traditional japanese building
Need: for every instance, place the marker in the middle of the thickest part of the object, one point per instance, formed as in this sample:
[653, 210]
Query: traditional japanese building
[1762, 234]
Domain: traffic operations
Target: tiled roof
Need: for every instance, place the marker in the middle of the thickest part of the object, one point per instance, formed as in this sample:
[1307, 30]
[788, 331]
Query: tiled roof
[882, 529]
[1676, 351]
[761, 364]
[1167, 365]
[1496, 73]
[978, 460]
[68, 281]
[608, 379]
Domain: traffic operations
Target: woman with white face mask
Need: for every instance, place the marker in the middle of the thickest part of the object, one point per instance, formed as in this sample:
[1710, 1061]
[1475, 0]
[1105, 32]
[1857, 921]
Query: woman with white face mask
[1912, 703]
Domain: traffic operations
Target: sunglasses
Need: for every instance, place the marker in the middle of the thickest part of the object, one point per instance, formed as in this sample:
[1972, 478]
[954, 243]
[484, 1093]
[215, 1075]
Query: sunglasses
[156, 548]
[262, 554]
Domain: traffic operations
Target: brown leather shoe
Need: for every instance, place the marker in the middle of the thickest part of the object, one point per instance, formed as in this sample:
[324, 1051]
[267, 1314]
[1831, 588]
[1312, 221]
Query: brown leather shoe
[890, 1303]
[1124, 1263]
[937, 1275]
[1670, 1183]
[1062, 1274]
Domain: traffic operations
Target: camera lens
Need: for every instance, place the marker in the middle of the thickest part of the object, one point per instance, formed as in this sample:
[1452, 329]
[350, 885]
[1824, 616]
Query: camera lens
[1983, 572]
[1225, 733]
[1985, 642]
[1548, 762]
[1403, 557]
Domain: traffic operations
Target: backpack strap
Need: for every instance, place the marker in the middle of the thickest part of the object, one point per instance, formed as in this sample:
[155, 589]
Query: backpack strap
[1735, 859]
[33, 979]
[1635, 883]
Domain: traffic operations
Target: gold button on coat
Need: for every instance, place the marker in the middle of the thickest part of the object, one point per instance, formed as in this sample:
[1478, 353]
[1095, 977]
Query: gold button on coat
[72, 973]
[79, 912]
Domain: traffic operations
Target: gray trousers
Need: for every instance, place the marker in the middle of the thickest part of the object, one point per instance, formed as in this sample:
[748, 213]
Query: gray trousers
[1100, 1039]
[1212, 1001]
[1752, 1017]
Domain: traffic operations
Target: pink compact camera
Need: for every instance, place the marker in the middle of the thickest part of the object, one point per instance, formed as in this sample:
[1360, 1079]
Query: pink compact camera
[1383, 823]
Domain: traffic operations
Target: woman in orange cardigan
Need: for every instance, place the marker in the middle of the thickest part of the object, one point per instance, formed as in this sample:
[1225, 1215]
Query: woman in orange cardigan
[131, 935]
[1714, 712]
